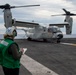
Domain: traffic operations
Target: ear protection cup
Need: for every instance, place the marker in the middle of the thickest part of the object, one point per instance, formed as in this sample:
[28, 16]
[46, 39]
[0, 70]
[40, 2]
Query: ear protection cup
[15, 33]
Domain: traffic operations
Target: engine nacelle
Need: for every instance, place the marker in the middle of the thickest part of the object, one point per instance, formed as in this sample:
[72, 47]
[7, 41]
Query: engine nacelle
[69, 27]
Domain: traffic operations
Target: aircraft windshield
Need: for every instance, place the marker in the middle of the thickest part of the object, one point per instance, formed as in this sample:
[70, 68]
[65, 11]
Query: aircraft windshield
[54, 29]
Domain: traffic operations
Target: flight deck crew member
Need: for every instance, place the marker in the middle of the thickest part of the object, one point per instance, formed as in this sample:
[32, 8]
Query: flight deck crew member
[10, 53]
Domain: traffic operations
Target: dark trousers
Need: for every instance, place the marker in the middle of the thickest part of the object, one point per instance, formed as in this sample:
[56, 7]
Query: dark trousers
[8, 71]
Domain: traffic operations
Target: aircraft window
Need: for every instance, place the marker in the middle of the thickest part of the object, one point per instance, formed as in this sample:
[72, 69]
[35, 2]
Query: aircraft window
[49, 29]
[56, 30]
[44, 29]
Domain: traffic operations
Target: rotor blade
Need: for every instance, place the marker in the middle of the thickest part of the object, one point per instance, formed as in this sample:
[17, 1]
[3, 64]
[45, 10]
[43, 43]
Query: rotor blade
[24, 6]
[65, 10]
[65, 14]
[1, 6]
[59, 15]
[71, 14]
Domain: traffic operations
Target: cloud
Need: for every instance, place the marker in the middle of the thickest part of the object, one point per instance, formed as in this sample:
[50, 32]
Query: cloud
[40, 14]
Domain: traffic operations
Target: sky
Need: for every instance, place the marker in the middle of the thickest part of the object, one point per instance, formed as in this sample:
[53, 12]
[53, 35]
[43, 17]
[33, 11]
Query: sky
[40, 14]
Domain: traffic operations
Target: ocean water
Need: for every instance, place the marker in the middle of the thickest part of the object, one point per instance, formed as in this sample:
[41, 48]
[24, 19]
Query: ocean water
[69, 36]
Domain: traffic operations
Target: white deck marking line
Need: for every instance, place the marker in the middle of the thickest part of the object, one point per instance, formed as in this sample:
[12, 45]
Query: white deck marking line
[35, 67]
[69, 44]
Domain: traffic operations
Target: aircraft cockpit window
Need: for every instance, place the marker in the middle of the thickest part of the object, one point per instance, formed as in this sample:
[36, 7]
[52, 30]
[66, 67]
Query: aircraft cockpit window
[50, 30]
[54, 30]
[58, 30]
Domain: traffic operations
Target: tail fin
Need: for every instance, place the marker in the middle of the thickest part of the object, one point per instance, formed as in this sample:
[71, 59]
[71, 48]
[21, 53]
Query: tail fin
[69, 27]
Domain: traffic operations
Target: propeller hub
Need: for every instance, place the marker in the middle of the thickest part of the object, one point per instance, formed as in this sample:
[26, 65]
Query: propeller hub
[6, 6]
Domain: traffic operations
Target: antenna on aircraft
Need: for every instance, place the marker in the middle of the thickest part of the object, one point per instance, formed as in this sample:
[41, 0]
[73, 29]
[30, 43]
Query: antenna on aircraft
[68, 13]
[7, 6]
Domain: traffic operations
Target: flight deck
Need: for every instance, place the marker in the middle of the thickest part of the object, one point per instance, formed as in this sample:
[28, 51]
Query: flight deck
[47, 58]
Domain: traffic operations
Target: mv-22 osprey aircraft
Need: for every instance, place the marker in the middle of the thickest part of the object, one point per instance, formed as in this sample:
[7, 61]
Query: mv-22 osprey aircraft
[36, 31]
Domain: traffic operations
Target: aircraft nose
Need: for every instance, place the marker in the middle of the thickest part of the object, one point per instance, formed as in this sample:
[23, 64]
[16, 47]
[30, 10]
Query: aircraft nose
[59, 36]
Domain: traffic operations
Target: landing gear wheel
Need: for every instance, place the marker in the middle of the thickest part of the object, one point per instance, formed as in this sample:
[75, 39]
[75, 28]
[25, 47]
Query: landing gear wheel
[45, 40]
[58, 41]
[29, 39]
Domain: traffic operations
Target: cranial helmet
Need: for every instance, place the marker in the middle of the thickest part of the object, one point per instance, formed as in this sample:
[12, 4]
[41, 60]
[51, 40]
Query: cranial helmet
[11, 31]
